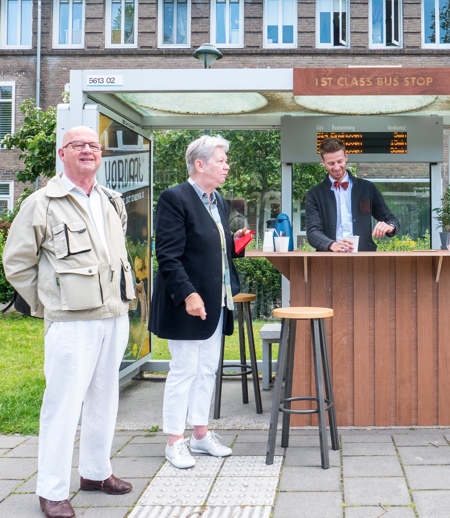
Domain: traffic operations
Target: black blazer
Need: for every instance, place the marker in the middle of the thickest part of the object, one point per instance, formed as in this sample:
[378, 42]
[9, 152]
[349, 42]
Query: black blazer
[189, 255]
[321, 214]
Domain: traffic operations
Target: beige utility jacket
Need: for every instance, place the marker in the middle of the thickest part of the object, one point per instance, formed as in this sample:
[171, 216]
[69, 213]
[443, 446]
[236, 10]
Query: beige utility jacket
[55, 260]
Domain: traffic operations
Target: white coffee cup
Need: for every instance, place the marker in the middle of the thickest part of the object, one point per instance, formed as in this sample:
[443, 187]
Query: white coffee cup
[268, 241]
[355, 241]
[281, 244]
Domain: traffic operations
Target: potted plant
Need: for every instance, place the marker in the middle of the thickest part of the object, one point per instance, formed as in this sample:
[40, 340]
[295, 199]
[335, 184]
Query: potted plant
[443, 217]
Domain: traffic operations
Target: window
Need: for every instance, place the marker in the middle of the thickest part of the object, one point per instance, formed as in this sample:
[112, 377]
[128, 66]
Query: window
[121, 23]
[332, 23]
[174, 23]
[280, 23]
[6, 197]
[385, 23]
[436, 23]
[68, 23]
[6, 109]
[227, 23]
[17, 18]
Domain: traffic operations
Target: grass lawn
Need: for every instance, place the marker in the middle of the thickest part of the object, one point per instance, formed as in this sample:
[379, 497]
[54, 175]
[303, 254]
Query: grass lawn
[22, 369]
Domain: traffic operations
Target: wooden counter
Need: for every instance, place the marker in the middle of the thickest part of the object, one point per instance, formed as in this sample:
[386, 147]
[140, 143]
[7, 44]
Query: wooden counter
[389, 338]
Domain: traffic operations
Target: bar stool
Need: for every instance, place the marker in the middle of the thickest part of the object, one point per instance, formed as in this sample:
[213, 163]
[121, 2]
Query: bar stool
[242, 300]
[324, 390]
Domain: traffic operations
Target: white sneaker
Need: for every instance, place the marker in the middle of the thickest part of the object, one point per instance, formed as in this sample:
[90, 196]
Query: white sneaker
[209, 444]
[179, 456]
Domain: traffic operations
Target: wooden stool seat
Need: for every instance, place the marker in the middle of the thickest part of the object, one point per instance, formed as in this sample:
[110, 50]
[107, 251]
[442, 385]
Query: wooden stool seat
[302, 313]
[244, 297]
[323, 398]
[242, 300]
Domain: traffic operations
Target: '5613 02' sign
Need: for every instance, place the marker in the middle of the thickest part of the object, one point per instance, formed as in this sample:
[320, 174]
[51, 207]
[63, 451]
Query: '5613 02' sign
[104, 80]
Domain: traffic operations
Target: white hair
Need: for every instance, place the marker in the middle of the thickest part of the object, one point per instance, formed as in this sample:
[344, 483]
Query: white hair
[203, 149]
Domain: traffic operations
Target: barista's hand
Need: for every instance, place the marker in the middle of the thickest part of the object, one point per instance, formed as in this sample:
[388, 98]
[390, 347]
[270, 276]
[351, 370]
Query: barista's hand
[382, 228]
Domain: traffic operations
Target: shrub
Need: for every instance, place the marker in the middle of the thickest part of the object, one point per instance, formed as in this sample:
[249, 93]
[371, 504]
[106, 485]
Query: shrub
[6, 290]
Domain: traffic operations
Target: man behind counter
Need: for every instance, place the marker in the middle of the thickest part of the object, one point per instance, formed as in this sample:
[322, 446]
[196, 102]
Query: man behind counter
[343, 205]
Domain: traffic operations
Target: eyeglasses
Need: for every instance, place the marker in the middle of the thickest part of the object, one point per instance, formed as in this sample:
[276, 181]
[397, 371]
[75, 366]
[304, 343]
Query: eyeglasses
[79, 145]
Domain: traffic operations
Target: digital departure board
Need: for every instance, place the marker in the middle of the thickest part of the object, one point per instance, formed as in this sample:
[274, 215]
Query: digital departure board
[376, 142]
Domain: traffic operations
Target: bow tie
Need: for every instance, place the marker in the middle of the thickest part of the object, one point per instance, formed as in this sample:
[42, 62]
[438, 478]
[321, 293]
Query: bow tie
[337, 184]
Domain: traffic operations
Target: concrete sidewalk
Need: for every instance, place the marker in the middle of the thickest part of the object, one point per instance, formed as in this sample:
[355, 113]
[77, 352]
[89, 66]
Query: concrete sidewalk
[395, 473]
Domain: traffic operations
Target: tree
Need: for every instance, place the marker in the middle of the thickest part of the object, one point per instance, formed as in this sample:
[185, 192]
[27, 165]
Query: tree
[36, 139]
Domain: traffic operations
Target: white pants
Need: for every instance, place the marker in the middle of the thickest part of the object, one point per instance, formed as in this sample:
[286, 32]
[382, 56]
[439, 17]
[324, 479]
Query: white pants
[82, 360]
[190, 382]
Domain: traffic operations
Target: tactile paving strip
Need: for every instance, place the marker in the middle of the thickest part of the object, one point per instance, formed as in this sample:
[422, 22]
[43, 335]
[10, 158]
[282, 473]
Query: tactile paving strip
[177, 491]
[240, 466]
[243, 491]
[206, 466]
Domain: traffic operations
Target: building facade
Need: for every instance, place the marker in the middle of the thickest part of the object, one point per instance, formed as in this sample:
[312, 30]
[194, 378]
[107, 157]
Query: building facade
[41, 41]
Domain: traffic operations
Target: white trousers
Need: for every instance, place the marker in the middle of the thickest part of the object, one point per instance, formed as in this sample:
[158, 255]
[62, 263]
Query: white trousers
[190, 382]
[82, 360]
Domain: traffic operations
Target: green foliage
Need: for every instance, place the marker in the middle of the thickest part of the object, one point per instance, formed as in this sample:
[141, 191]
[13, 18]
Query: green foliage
[22, 383]
[404, 243]
[443, 212]
[6, 290]
[36, 139]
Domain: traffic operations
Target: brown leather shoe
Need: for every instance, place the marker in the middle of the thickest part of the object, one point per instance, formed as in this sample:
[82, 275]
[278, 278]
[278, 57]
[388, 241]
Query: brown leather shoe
[61, 509]
[111, 486]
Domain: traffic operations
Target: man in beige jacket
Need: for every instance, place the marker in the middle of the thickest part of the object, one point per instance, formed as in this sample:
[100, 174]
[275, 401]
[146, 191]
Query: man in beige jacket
[66, 256]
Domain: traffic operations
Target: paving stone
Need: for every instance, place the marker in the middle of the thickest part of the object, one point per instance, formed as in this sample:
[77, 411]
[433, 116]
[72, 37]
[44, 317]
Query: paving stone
[100, 499]
[310, 505]
[250, 467]
[376, 490]
[11, 468]
[204, 512]
[99, 512]
[237, 491]
[311, 441]
[149, 439]
[11, 441]
[206, 466]
[365, 437]
[26, 450]
[419, 438]
[310, 479]
[416, 455]
[132, 467]
[21, 506]
[184, 491]
[257, 448]
[8, 486]
[366, 466]
[428, 477]
[29, 486]
[364, 448]
[142, 450]
[309, 457]
[378, 512]
[432, 504]
[166, 511]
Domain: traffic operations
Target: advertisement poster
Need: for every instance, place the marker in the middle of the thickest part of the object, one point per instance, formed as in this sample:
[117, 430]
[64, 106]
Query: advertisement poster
[126, 168]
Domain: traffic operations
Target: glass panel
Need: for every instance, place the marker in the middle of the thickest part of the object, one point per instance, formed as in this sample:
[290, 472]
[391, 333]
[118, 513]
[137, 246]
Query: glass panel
[272, 21]
[444, 21]
[377, 21]
[129, 22]
[220, 22]
[116, 22]
[181, 23]
[429, 21]
[26, 22]
[325, 21]
[63, 38]
[5, 92]
[288, 9]
[234, 22]
[11, 24]
[77, 22]
[168, 21]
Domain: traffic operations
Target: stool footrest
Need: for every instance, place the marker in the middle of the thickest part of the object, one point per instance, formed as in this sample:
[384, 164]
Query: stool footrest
[328, 405]
[248, 370]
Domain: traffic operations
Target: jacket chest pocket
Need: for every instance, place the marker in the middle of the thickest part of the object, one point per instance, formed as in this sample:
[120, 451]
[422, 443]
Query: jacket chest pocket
[71, 238]
[80, 288]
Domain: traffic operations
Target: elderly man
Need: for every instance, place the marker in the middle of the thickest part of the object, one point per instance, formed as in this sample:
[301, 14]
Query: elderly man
[192, 302]
[66, 256]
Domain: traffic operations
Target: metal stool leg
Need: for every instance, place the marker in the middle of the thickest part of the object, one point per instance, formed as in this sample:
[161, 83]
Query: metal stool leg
[320, 395]
[277, 389]
[288, 384]
[328, 387]
[253, 362]
[243, 358]
[219, 374]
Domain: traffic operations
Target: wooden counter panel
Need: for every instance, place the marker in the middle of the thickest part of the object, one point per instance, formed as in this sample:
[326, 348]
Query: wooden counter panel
[389, 338]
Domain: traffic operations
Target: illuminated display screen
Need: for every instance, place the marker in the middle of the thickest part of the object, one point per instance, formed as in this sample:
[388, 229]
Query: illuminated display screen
[377, 142]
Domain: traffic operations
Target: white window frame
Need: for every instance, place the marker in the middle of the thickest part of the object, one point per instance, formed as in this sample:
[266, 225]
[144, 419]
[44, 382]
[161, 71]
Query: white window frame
[161, 43]
[227, 44]
[108, 28]
[269, 45]
[9, 197]
[345, 43]
[393, 44]
[12, 102]
[5, 28]
[56, 8]
[435, 45]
